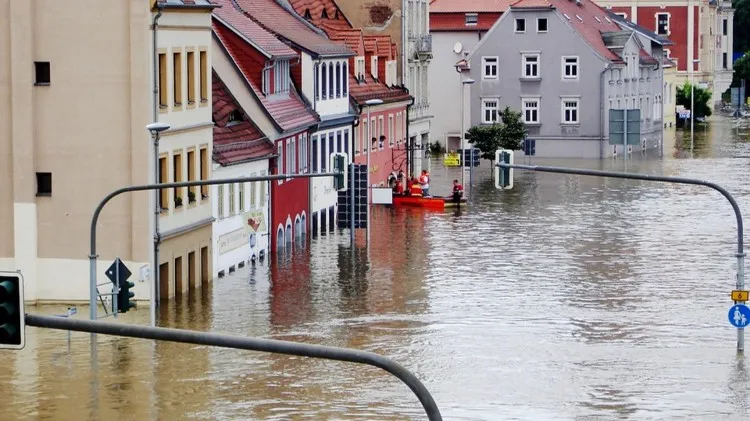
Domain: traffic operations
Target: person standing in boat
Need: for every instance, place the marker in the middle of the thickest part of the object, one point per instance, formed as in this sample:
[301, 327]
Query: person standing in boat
[424, 181]
[415, 189]
[458, 191]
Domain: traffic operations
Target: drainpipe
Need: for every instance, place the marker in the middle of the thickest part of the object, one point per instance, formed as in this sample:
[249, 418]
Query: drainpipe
[403, 43]
[409, 145]
[661, 144]
[601, 110]
[157, 235]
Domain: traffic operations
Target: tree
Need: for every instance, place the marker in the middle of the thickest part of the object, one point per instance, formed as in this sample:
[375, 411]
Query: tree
[741, 25]
[702, 99]
[506, 135]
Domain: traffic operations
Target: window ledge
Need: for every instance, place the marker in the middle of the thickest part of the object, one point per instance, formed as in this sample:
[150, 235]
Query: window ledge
[570, 124]
[42, 84]
[573, 79]
[44, 195]
[530, 79]
[532, 124]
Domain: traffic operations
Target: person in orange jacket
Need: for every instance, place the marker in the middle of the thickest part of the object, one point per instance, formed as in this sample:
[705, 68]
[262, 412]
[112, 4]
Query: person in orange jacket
[416, 188]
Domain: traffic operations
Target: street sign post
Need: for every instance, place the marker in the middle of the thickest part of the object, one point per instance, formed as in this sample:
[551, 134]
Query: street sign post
[739, 316]
[118, 273]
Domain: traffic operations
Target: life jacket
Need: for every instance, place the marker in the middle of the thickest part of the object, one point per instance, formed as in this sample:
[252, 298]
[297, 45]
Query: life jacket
[415, 190]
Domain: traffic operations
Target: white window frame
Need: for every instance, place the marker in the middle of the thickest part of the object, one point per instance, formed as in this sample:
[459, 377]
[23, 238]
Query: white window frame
[391, 130]
[486, 65]
[515, 25]
[473, 21]
[656, 22]
[524, 62]
[565, 107]
[622, 15]
[359, 66]
[381, 131]
[486, 108]
[374, 66]
[280, 160]
[525, 107]
[537, 25]
[576, 65]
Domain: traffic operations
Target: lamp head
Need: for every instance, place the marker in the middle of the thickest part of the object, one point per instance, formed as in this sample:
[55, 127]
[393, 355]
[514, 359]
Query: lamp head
[374, 101]
[157, 127]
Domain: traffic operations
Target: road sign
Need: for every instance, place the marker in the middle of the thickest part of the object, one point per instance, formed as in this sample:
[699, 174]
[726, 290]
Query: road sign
[117, 265]
[739, 295]
[739, 315]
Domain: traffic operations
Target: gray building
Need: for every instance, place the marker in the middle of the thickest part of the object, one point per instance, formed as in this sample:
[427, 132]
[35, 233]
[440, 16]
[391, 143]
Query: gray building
[565, 64]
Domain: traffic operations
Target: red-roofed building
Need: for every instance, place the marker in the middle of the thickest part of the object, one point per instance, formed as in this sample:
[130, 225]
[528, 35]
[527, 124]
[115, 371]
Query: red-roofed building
[570, 69]
[242, 211]
[256, 68]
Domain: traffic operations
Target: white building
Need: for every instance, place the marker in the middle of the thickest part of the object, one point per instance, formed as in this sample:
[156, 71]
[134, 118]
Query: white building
[240, 232]
[418, 53]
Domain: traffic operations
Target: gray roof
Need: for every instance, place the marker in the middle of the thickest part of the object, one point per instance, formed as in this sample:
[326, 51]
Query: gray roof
[653, 36]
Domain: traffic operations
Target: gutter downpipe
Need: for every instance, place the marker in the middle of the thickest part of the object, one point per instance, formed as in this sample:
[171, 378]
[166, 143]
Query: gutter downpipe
[157, 235]
[403, 45]
[661, 111]
[601, 109]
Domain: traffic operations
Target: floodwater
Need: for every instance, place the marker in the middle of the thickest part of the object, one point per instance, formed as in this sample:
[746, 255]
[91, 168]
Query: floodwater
[565, 298]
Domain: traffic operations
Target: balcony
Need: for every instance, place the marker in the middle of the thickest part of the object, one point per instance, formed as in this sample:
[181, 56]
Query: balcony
[423, 46]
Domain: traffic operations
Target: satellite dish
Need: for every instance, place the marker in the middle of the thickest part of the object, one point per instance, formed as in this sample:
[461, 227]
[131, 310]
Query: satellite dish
[458, 47]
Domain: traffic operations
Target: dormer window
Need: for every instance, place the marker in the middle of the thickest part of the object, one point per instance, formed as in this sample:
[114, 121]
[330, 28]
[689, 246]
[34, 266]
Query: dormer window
[336, 15]
[359, 68]
[324, 15]
[307, 14]
[235, 117]
[276, 78]
[374, 66]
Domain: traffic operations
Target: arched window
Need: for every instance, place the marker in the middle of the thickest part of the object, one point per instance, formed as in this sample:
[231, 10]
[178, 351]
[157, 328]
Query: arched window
[331, 82]
[323, 81]
[280, 239]
[338, 80]
[345, 80]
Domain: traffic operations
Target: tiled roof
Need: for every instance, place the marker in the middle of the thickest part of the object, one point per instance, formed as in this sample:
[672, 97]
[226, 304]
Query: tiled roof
[235, 142]
[288, 25]
[263, 40]
[353, 38]
[289, 112]
[383, 45]
[469, 6]
[182, 4]
[372, 89]
[586, 18]
[312, 11]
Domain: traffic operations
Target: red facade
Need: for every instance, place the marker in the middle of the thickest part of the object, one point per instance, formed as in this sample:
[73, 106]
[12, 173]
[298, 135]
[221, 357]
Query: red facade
[455, 22]
[387, 156]
[678, 29]
[290, 198]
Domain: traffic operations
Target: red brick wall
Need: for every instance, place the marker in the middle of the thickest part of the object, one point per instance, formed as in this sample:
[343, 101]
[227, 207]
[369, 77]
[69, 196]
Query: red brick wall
[457, 21]
[382, 161]
[288, 199]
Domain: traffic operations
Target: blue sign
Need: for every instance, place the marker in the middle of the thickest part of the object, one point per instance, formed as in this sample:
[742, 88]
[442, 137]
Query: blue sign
[739, 315]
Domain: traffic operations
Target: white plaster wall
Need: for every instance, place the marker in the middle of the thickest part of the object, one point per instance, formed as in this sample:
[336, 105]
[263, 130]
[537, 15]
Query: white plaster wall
[331, 106]
[323, 194]
[235, 222]
[307, 69]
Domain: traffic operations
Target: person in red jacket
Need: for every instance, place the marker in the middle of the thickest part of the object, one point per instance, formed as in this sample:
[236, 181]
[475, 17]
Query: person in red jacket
[458, 191]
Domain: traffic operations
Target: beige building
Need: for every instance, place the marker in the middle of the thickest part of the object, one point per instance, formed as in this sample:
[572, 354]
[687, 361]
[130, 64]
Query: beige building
[77, 90]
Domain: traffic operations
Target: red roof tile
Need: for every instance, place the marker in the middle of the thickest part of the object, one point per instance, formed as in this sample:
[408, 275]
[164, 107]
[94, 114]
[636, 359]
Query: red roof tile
[586, 18]
[289, 112]
[288, 25]
[312, 11]
[372, 89]
[237, 142]
[469, 6]
[353, 38]
[265, 41]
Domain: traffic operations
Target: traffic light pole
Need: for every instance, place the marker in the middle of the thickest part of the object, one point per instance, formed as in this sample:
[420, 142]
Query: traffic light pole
[249, 344]
[740, 254]
[93, 292]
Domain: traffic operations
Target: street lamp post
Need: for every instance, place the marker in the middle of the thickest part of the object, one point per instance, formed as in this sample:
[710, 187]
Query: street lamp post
[463, 130]
[156, 129]
[692, 102]
[369, 104]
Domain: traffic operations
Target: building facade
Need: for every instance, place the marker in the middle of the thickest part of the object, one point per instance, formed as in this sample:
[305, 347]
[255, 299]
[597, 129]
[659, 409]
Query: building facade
[255, 67]
[242, 209]
[456, 27]
[700, 29]
[52, 151]
[560, 47]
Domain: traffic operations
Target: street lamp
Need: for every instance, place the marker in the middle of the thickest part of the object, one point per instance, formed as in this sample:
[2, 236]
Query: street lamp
[692, 102]
[369, 103]
[156, 129]
[463, 130]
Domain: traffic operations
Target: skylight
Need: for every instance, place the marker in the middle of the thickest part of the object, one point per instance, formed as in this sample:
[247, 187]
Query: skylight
[566, 16]
[579, 18]
[597, 19]
[608, 19]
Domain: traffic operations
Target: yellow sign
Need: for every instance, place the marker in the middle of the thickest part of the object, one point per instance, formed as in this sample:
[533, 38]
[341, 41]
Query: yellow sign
[738, 295]
[451, 160]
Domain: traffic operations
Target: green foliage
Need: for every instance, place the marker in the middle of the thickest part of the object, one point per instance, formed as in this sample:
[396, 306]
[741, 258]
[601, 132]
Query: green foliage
[702, 99]
[436, 149]
[506, 135]
[741, 25]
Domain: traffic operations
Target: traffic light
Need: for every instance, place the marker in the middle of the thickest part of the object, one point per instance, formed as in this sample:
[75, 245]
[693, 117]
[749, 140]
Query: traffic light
[503, 176]
[339, 165]
[12, 326]
[123, 297]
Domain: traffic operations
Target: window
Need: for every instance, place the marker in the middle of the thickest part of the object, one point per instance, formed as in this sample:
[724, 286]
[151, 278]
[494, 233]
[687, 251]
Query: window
[662, 23]
[346, 143]
[262, 189]
[323, 154]
[338, 80]
[489, 64]
[570, 110]
[365, 135]
[191, 77]
[331, 145]
[339, 146]
[381, 130]
[489, 111]
[177, 177]
[231, 200]
[41, 73]
[242, 197]
[315, 153]
[44, 184]
[280, 160]
[191, 175]
[530, 65]
[724, 61]
[471, 19]
[374, 66]
[570, 67]
[530, 108]
[293, 156]
[221, 200]
[359, 67]
[316, 73]
[622, 15]
[163, 193]
[391, 133]
[303, 153]
[323, 81]
[253, 189]
[520, 25]
[204, 171]
[177, 78]
[280, 76]
[345, 79]
[725, 27]
[541, 24]
[204, 76]
[162, 81]
[331, 82]
[667, 53]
